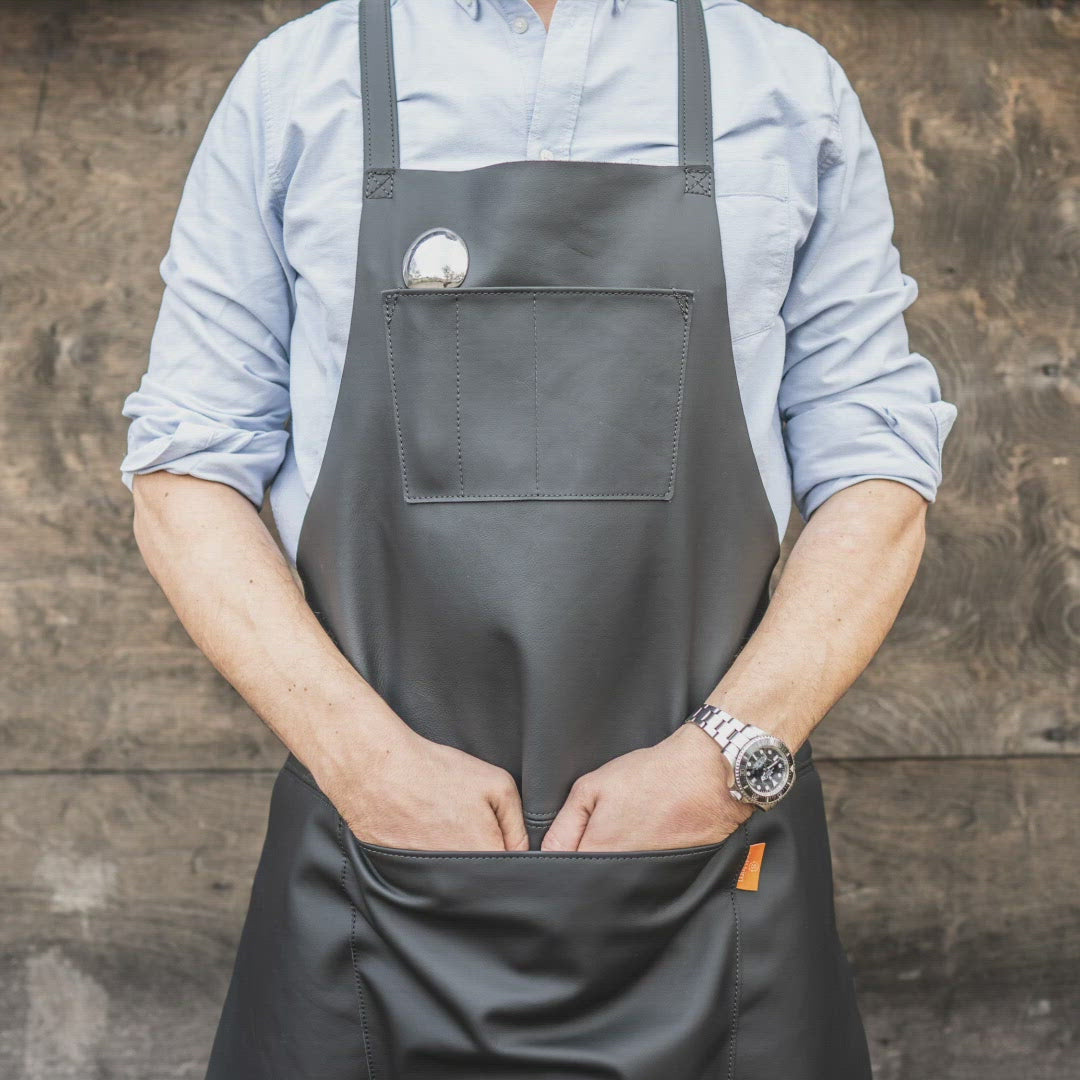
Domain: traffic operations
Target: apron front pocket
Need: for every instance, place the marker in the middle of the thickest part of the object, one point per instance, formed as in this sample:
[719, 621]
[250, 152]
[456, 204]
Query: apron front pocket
[541, 965]
[537, 393]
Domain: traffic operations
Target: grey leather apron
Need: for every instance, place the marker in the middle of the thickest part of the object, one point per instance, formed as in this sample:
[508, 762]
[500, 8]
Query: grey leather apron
[539, 531]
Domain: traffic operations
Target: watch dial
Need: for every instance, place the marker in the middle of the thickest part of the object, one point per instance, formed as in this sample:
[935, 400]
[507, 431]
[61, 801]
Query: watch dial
[766, 770]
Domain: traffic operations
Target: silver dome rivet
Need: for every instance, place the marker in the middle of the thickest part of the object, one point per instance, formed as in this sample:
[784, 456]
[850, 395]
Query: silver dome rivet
[436, 259]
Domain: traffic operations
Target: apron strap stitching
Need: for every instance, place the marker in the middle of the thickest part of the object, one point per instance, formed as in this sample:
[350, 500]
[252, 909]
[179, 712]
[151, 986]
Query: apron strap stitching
[381, 156]
[698, 180]
[379, 184]
[364, 86]
[391, 94]
[695, 91]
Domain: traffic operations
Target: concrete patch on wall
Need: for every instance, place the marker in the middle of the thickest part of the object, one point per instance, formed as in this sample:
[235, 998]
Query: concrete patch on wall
[65, 1021]
[78, 885]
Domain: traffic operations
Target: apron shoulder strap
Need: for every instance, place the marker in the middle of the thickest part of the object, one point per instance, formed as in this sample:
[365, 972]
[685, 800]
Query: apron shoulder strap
[695, 99]
[379, 93]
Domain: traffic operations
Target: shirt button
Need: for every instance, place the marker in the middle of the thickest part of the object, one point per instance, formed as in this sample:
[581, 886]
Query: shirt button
[546, 154]
[519, 25]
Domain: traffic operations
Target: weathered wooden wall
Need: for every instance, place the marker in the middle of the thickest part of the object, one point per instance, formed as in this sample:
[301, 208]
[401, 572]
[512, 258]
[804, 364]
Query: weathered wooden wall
[135, 782]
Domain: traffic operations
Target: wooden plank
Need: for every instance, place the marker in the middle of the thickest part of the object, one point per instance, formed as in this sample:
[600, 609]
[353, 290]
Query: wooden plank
[101, 108]
[102, 104]
[957, 885]
[973, 105]
[958, 895]
[122, 898]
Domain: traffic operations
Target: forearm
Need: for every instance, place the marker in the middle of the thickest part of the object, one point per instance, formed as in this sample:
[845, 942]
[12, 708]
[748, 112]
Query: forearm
[232, 589]
[234, 592]
[837, 597]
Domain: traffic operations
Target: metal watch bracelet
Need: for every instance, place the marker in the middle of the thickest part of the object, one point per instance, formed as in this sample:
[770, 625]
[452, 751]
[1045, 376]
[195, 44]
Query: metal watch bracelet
[723, 727]
[740, 742]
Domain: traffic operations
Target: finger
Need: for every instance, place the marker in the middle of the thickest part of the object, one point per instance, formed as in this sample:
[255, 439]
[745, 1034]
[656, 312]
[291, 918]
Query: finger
[511, 818]
[570, 822]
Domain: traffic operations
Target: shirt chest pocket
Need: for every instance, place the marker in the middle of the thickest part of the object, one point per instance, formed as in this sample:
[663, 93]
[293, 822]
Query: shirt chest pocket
[753, 203]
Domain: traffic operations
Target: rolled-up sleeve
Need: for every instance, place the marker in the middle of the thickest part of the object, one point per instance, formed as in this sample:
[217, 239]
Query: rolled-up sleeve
[214, 401]
[855, 402]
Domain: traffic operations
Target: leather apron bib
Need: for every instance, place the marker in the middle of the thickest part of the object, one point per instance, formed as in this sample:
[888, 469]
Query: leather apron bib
[540, 532]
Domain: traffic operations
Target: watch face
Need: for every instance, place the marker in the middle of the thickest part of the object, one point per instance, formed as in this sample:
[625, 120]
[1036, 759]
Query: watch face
[765, 771]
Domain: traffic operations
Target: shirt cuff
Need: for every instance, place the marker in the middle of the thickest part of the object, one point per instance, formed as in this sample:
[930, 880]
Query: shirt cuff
[842, 443]
[245, 460]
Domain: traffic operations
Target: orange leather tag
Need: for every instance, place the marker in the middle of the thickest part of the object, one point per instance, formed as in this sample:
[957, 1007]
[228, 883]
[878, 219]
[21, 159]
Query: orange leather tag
[748, 875]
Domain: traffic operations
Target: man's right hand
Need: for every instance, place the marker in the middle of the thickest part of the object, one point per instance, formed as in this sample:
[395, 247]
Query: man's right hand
[238, 598]
[414, 793]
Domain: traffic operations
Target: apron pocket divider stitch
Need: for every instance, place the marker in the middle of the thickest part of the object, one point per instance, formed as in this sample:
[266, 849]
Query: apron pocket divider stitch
[584, 403]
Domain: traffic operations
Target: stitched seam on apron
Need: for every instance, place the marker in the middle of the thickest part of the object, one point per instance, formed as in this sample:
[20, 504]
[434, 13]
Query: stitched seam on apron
[543, 495]
[457, 379]
[738, 943]
[607, 856]
[379, 184]
[706, 81]
[441, 294]
[536, 395]
[364, 88]
[684, 306]
[289, 770]
[352, 952]
[683, 80]
[390, 96]
[698, 180]
[388, 311]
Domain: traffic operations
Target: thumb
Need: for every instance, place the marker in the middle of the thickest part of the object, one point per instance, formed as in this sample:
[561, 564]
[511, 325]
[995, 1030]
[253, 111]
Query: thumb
[511, 819]
[566, 831]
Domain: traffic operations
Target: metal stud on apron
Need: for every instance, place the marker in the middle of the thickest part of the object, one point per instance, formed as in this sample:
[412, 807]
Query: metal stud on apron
[540, 533]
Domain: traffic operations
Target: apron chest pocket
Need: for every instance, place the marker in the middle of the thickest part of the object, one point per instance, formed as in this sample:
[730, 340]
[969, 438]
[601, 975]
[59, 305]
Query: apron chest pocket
[537, 393]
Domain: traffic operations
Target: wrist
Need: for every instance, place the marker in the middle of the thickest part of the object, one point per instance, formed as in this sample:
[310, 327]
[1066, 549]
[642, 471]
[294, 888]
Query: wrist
[703, 748]
[774, 717]
[346, 750]
[761, 765]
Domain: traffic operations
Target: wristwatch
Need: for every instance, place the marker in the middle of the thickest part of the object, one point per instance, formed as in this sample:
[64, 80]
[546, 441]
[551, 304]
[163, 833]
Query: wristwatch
[764, 767]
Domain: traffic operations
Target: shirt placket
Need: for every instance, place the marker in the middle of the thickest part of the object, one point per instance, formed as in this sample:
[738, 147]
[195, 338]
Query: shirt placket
[561, 53]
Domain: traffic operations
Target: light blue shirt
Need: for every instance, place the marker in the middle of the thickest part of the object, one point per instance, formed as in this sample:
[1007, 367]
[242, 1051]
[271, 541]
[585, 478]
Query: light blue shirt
[259, 272]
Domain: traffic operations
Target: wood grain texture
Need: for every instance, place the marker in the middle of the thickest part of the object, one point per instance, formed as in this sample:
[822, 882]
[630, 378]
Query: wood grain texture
[974, 105]
[976, 109]
[102, 106]
[122, 898]
[954, 780]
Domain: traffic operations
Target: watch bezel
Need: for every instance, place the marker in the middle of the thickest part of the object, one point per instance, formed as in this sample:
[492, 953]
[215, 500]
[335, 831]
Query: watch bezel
[743, 788]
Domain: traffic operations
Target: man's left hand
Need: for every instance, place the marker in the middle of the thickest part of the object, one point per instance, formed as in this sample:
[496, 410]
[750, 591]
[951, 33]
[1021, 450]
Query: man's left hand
[671, 795]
